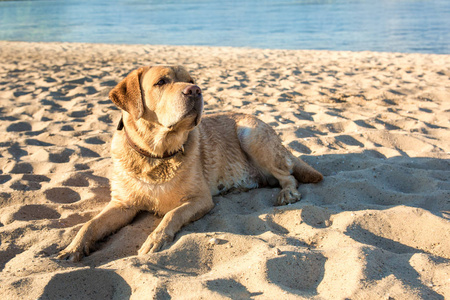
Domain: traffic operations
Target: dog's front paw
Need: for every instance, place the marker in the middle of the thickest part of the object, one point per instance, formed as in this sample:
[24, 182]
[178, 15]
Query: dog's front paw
[155, 241]
[73, 253]
[288, 196]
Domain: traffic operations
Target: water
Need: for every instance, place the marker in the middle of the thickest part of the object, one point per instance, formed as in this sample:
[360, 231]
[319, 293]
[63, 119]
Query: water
[377, 25]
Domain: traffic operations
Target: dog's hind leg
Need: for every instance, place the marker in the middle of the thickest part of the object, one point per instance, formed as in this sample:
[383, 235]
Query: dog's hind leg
[264, 148]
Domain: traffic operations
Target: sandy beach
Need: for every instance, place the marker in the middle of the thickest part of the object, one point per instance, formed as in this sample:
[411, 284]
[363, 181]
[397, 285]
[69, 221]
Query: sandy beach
[375, 124]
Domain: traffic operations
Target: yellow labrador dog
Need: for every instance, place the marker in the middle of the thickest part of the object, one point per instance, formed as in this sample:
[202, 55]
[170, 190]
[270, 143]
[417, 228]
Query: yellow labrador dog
[168, 162]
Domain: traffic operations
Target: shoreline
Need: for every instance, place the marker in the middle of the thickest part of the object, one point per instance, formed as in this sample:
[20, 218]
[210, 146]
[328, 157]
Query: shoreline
[219, 47]
[376, 124]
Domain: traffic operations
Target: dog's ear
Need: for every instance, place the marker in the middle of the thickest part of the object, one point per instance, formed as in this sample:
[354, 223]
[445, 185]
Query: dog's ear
[127, 94]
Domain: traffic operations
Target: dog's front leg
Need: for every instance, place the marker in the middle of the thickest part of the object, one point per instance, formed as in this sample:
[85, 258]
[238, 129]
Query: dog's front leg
[114, 216]
[174, 220]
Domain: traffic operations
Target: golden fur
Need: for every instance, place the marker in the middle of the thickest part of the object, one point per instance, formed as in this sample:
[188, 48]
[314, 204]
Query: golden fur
[189, 161]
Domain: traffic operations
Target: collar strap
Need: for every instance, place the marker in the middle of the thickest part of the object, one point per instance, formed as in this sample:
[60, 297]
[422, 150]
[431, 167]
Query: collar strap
[141, 151]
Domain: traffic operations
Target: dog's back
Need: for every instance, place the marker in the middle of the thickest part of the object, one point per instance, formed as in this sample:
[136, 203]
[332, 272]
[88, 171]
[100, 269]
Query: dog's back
[226, 165]
[239, 151]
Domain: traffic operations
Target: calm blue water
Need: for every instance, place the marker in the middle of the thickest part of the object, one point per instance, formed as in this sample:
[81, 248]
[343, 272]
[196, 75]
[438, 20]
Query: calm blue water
[377, 25]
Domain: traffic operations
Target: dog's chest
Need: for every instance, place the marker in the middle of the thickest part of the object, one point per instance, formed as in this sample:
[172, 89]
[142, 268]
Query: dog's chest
[159, 196]
[161, 172]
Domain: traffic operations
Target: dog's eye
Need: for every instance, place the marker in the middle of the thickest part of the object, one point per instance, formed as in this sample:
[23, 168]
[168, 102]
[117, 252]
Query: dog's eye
[161, 82]
[191, 81]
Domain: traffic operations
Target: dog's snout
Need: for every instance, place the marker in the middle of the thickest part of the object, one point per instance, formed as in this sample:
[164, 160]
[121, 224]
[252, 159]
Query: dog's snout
[192, 90]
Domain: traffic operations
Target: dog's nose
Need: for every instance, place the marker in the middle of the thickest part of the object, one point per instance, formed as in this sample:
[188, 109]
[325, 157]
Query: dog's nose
[192, 90]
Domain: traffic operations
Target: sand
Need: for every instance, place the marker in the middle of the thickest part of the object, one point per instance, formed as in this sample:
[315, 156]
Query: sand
[375, 124]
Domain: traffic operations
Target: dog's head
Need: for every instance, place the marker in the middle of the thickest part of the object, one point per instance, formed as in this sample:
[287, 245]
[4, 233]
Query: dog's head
[162, 95]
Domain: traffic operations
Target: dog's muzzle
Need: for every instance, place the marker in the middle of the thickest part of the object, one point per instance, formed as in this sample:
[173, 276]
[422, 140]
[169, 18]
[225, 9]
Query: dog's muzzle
[194, 94]
[192, 91]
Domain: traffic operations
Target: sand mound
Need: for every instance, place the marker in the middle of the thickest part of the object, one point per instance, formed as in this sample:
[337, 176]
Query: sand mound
[375, 124]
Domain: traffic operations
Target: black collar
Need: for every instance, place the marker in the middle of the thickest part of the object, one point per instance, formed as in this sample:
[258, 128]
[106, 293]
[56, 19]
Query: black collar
[141, 151]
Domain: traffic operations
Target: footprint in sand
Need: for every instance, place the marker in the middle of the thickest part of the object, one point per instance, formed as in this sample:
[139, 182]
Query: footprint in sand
[29, 182]
[62, 195]
[16, 151]
[63, 156]
[298, 271]
[85, 152]
[19, 127]
[316, 216]
[297, 146]
[94, 141]
[231, 288]
[105, 119]
[5, 178]
[390, 230]
[80, 114]
[77, 179]
[347, 140]
[97, 284]
[110, 83]
[67, 128]
[35, 212]
[35, 142]
[21, 168]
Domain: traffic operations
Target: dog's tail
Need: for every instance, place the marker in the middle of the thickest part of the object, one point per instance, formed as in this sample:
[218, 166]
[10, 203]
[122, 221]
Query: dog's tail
[305, 173]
